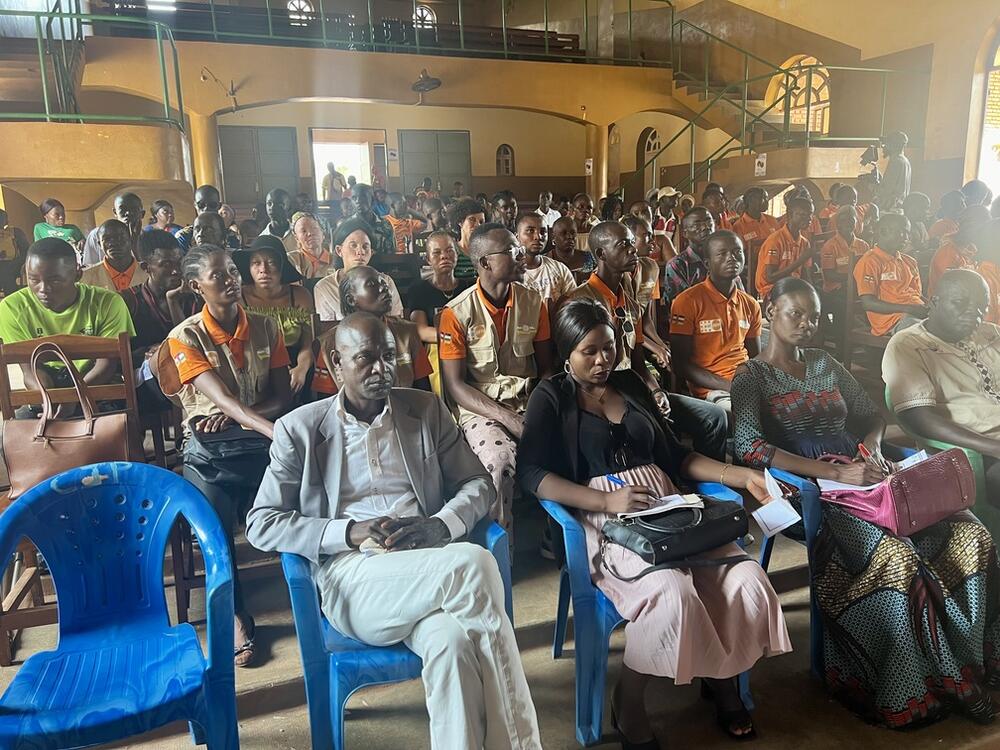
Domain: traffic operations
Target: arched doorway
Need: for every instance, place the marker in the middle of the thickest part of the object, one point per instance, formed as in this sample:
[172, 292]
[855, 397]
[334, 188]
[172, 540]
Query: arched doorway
[646, 148]
[989, 149]
[817, 82]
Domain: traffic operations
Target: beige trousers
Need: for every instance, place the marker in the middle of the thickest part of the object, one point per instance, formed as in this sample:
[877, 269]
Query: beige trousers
[447, 606]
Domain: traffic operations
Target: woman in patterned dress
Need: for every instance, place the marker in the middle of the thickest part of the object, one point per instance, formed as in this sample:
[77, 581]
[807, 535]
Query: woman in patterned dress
[910, 625]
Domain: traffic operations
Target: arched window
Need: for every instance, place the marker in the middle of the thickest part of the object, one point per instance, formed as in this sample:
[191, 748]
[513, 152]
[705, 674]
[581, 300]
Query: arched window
[646, 149]
[505, 161]
[819, 100]
[424, 17]
[989, 152]
[299, 12]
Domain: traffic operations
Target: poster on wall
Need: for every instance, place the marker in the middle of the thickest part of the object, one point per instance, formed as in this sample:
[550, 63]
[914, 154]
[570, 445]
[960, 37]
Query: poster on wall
[392, 154]
[760, 165]
[588, 167]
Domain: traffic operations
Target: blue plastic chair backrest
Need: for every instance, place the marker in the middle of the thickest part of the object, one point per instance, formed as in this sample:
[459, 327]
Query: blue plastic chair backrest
[102, 530]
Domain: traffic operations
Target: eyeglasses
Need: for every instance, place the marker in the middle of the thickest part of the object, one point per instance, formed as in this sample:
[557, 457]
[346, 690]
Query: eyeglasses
[621, 447]
[514, 251]
[624, 320]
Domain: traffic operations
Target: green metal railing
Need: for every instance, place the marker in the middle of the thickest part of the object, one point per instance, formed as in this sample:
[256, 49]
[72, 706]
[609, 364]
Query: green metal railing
[274, 23]
[61, 54]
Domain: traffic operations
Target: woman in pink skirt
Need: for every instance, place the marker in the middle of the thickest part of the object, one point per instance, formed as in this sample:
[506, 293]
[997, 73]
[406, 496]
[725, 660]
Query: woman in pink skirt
[595, 441]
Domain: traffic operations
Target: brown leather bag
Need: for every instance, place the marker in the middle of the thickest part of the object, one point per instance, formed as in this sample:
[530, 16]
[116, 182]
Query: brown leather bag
[36, 450]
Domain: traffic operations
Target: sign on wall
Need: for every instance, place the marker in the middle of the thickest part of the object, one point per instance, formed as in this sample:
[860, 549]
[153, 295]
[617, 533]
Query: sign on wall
[392, 154]
[588, 167]
[760, 165]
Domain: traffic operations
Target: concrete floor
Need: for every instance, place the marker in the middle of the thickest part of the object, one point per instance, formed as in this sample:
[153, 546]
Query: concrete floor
[792, 709]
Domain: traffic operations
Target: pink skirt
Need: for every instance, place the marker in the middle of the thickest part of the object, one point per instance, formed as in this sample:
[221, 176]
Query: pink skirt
[711, 622]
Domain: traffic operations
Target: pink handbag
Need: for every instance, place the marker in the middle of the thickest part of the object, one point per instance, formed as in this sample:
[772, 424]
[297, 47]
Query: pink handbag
[910, 500]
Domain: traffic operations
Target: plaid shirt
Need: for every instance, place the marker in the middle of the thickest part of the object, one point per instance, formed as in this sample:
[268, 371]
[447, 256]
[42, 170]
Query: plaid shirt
[682, 272]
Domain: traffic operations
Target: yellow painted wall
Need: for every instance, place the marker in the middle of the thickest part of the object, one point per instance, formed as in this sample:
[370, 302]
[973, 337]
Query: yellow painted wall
[543, 145]
[631, 127]
[958, 31]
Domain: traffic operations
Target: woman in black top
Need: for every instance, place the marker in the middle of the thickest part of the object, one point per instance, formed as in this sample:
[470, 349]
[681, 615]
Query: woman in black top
[594, 440]
[428, 296]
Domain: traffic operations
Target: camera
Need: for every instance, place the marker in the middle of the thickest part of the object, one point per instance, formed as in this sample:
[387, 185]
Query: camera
[870, 156]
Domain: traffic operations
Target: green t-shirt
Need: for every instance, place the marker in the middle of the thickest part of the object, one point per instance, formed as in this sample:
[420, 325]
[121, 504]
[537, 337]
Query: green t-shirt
[97, 312]
[69, 232]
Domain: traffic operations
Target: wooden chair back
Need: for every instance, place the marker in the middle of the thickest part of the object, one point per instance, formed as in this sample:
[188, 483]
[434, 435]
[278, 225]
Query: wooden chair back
[75, 348]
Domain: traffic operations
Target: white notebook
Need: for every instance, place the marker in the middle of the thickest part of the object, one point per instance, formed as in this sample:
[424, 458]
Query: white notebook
[667, 502]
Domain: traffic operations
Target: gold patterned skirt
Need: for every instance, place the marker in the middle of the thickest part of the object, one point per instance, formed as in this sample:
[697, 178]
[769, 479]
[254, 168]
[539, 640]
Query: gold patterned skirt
[910, 625]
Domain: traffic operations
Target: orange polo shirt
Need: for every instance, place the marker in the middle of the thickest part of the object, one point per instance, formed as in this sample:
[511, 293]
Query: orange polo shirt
[452, 337]
[781, 250]
[753, 231]
[836, 256]
[121, 279]
[194, 362]
[991, 272]
[942, 227]
[719, 325]
[893, 279]
[948, 256]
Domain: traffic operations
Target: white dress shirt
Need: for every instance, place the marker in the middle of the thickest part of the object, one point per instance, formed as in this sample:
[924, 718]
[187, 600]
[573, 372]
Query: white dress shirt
[549, 217]
[374, 481]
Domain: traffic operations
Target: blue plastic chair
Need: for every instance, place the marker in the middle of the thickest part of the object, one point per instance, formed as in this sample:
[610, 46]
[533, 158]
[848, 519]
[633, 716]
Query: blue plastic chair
[120, 668]
[335, 665]
[595, 617]
[812, 516]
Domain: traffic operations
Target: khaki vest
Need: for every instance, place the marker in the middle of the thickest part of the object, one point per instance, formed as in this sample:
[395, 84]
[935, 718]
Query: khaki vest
[407, 342]
[249, 384]
[633, 313]
[501, 372]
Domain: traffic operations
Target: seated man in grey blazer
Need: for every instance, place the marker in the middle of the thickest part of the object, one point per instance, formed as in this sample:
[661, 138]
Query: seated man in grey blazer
[375, 486]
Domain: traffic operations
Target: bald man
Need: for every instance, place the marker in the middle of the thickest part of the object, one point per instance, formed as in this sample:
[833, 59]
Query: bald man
[376, 487]
[943, 373]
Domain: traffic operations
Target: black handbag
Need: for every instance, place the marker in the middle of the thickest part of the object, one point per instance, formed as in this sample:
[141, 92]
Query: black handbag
[672, 539]
[233, 455]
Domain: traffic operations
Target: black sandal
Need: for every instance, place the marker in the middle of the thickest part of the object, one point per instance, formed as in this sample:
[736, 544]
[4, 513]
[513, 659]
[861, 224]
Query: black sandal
[982, 711]
[727, 720]
[248, 645]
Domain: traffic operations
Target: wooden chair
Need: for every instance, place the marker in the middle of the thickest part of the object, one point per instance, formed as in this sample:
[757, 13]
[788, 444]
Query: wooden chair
[404, 269]
[26, 586]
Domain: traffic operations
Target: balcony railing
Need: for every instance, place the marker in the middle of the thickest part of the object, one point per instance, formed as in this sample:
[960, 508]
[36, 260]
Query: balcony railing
[406, 28]
[59, 40]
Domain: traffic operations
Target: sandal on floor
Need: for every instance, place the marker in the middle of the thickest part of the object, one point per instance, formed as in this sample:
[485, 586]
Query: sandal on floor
[981, 712]
[248, 645]
[737, 717]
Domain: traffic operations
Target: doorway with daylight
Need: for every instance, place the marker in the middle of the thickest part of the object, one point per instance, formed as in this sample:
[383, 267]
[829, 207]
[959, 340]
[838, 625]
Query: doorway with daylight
[354, 153]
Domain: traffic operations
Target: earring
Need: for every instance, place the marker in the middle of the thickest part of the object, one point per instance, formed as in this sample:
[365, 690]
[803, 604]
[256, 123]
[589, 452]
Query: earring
[566, 368]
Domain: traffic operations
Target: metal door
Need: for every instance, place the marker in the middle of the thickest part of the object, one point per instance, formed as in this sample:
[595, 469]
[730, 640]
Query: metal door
[443, 155]
[257, 160]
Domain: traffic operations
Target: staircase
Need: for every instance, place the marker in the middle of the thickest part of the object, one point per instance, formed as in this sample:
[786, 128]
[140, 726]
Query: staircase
[735, 105]
[40, 75]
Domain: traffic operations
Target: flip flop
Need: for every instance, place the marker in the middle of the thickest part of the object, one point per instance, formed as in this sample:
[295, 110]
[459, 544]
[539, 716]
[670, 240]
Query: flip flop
[248, 645]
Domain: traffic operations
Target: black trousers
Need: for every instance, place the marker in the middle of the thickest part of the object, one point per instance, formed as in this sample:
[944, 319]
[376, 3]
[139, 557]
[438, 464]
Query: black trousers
[231, 502]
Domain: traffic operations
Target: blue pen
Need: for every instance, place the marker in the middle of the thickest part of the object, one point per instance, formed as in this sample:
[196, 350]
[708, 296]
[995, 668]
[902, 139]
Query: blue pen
[615, 480]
